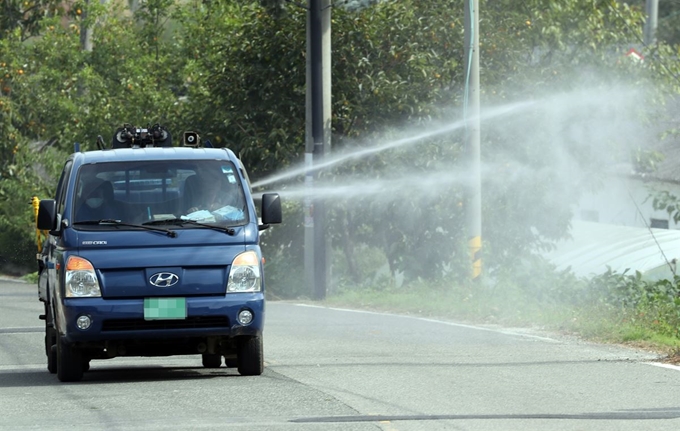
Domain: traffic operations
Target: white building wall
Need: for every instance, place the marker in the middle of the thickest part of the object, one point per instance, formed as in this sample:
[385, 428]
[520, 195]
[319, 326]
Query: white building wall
[625, 201]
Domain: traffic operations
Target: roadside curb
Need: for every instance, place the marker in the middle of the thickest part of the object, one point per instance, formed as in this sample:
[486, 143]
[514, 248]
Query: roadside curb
[16, 280]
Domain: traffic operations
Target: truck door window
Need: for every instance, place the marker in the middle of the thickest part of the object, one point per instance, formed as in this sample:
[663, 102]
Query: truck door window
[61, 187]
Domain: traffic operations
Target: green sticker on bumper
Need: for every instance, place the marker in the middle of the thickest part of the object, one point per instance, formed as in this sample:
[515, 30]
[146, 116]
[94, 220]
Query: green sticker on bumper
[165, 308]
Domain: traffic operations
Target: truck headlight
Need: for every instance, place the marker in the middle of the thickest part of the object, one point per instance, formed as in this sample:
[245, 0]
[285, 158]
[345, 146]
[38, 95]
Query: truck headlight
[81, 280]
[244, 275]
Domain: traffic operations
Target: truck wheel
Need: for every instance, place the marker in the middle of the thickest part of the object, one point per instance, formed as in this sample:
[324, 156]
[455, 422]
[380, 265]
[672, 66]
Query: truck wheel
[211, 360]
[51, 349]
[69, 362]
[86, 365]
[230, 362]
[250, 357]
[50, 342]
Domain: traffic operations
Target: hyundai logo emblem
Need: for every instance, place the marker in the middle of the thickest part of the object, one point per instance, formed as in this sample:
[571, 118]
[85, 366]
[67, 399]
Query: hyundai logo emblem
[164, 279]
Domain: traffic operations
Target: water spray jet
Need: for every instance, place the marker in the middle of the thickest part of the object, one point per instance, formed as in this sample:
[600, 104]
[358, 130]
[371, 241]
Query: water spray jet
[339, 158]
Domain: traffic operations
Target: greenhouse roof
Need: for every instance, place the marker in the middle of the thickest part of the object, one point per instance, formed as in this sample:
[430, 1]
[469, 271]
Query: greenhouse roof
[595, 247]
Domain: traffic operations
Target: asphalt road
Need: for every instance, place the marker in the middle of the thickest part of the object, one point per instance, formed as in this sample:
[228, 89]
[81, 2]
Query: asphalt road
[333, 369]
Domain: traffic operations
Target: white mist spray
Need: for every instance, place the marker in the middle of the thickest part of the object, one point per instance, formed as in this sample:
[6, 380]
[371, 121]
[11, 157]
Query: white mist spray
[538, 157]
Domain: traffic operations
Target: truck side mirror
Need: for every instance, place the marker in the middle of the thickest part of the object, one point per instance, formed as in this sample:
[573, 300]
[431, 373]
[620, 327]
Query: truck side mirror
[271, 209]
[47, 215]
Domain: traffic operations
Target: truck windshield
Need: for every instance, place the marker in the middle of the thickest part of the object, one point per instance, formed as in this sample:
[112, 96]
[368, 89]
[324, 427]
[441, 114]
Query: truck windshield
[205, 191]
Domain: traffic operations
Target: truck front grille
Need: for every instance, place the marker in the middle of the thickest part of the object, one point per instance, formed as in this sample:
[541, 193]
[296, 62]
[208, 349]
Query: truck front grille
[188, 323]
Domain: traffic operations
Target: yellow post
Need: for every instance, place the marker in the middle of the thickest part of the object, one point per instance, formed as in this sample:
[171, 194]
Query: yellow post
[35, 201]
[475, 247]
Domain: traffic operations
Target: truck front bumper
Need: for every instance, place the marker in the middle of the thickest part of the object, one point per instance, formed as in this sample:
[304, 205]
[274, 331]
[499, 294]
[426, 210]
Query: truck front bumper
[124, 319]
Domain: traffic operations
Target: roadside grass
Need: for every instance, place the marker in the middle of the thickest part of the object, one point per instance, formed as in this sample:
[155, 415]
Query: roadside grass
[465, 304]
[31, 278]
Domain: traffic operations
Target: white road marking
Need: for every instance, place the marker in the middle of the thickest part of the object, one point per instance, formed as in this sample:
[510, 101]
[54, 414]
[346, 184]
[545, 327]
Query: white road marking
[662, 365]
[21, 330]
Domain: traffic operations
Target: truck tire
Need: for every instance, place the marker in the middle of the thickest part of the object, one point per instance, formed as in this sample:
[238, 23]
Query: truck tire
[69, 362]
[212, 360]
[250, 357]
[50, 342]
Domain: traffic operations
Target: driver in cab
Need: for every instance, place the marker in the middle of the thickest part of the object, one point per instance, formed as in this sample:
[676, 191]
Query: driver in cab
[211, 199]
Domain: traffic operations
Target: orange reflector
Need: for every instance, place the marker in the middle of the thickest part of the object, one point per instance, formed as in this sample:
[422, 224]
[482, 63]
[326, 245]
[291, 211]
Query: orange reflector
[247, 258]
[76, 263]
[263, 260]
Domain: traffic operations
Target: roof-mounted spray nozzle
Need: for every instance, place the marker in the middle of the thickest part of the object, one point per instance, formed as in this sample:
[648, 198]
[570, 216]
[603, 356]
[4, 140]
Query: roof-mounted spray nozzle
[130, 136]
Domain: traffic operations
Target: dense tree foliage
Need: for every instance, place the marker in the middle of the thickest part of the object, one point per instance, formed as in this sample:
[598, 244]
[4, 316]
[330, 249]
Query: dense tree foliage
[23, 19]
[55, 94]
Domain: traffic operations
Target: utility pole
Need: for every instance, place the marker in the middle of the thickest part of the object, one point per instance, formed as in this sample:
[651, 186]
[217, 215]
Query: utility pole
[85, 28]
[317, 143]
[472, 136]
[652, 9]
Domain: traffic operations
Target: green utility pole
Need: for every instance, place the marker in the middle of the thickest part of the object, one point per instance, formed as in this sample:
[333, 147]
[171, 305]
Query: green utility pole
[652, 9]
[317, 143]
[472, 136]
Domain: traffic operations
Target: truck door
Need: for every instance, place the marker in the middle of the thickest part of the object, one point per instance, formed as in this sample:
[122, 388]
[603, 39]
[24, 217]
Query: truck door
[52, 240]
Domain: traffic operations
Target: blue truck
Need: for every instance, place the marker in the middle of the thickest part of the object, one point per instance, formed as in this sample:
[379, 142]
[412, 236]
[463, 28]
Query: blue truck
[153, 250]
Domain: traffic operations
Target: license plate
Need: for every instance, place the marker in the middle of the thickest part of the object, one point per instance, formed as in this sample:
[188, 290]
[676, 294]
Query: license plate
[165, 308]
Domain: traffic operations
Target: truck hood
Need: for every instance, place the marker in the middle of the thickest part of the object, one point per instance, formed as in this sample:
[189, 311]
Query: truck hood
[194, 263]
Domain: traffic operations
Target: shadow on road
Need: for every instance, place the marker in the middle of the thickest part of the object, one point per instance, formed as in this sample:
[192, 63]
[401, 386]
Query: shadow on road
[118, 375]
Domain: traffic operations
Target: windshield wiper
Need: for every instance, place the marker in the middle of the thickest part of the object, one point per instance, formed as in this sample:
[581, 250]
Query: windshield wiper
[182, 221]
[168, 232]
